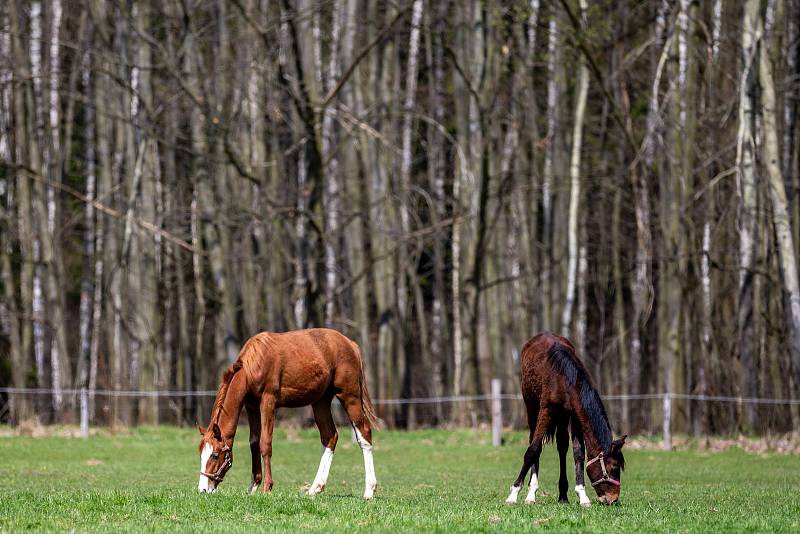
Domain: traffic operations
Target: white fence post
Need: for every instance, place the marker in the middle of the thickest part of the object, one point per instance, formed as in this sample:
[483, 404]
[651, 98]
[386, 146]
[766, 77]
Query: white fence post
[667, 421]
[497, 413]
[84, 413]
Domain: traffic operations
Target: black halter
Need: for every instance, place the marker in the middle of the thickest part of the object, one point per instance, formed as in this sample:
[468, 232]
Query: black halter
[227, 463]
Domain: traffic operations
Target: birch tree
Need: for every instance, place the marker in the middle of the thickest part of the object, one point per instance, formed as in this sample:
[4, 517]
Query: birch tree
[780, 212]
[575, 186]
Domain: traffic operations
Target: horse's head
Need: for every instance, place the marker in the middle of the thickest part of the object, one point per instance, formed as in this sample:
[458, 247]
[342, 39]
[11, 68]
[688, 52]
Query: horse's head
[604, 471]
[216, 457]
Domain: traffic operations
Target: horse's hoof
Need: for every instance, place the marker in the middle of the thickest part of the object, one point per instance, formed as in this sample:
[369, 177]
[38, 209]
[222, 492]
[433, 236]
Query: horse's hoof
[315, 490]
[511, 502]
[563, 501]
[252, 489]
[530, 502]
[586, 504]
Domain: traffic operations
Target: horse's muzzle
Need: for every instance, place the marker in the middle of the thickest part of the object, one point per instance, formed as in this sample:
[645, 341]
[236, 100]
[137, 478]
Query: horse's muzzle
[605, 500]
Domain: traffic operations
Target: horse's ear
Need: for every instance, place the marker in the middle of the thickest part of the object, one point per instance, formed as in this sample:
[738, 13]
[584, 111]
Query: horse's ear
[618, 443]
[201, 429]
[216, 431]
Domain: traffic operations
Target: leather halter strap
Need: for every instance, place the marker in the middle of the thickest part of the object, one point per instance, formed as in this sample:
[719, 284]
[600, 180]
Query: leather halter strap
[227, 463]
[605, 477]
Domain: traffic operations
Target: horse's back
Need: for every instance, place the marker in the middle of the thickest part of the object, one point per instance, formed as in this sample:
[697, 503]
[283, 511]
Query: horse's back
[539, 380]
[301, 365]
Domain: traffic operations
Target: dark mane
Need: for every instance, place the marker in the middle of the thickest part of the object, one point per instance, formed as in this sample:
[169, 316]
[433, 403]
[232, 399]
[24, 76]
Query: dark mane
[563, 360]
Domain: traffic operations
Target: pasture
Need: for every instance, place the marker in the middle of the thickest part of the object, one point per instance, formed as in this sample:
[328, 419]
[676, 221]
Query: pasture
[145, 480]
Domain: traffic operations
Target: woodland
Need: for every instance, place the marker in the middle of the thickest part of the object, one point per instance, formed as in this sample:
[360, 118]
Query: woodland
[439, 180]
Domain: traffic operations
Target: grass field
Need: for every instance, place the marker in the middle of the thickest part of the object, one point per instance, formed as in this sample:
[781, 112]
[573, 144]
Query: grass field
[146, 480]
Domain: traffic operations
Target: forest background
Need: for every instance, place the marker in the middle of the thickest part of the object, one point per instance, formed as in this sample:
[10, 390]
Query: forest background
[438, 180]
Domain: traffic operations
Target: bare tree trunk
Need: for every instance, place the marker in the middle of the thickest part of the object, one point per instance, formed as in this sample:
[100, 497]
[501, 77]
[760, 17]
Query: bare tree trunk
[575, 187]
[642, 286]
[332, 186]
[148, 322]
[780, 212]
[792, 73]
[87, 277]
[61, 369]
[437, 167]
[104, 233]
[553, 59]
[745, 156]
[406, 263]
[25, 232]
[9, 312]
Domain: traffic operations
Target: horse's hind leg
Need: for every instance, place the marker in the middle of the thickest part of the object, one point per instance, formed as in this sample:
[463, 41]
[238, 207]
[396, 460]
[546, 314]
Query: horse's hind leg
[562, 443]
[254, 419]
[352, 405]
[328, 436]
[267, 409]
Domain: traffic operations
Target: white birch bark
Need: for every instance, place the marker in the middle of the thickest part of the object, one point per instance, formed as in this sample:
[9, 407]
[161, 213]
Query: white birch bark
[405, 162]
[54, 147]
[300, 268]
[58, 344]
[87, 277]
[746, 185]
[575, 188]
[331, 171]
[553, 103]
[780, 212]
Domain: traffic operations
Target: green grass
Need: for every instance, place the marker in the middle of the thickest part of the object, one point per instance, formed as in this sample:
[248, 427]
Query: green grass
[441, 481]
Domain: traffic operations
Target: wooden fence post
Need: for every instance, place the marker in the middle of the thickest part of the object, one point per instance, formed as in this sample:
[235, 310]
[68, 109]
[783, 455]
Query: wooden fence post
[84, 413]
[667, 421]
[497, 413]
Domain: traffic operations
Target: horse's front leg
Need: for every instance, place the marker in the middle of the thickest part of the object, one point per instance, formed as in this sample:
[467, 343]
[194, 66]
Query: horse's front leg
[254, 419]
[562, 443]
[579, 454]
[267, 409]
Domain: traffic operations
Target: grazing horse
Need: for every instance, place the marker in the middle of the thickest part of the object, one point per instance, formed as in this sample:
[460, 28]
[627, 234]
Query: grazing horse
[560, 398]
[289, 369]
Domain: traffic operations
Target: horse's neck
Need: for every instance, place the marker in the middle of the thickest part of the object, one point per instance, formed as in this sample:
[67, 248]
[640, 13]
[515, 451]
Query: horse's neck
[232, 406]
[593, 445]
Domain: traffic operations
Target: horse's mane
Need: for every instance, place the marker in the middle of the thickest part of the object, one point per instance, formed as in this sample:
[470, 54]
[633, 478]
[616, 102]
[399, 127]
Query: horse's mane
[246, 360]
[222, 392]
[563, 359]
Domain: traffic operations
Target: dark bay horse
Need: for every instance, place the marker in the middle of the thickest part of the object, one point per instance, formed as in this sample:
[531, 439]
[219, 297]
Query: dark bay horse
[560, 398]
[291, 369]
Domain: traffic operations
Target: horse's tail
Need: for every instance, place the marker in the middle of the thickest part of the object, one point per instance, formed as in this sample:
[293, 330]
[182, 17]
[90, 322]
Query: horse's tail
[366, 403]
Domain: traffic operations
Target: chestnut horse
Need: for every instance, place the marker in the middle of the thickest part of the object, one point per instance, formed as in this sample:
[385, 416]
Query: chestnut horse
[560, 398]
[289, 369]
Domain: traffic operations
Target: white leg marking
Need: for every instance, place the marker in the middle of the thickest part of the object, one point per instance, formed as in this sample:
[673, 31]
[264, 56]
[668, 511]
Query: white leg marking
[322, 473]
[531, 498]
[253, 487]
[512, 497]
[370, 482]
[581, 491]
[202, 484]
